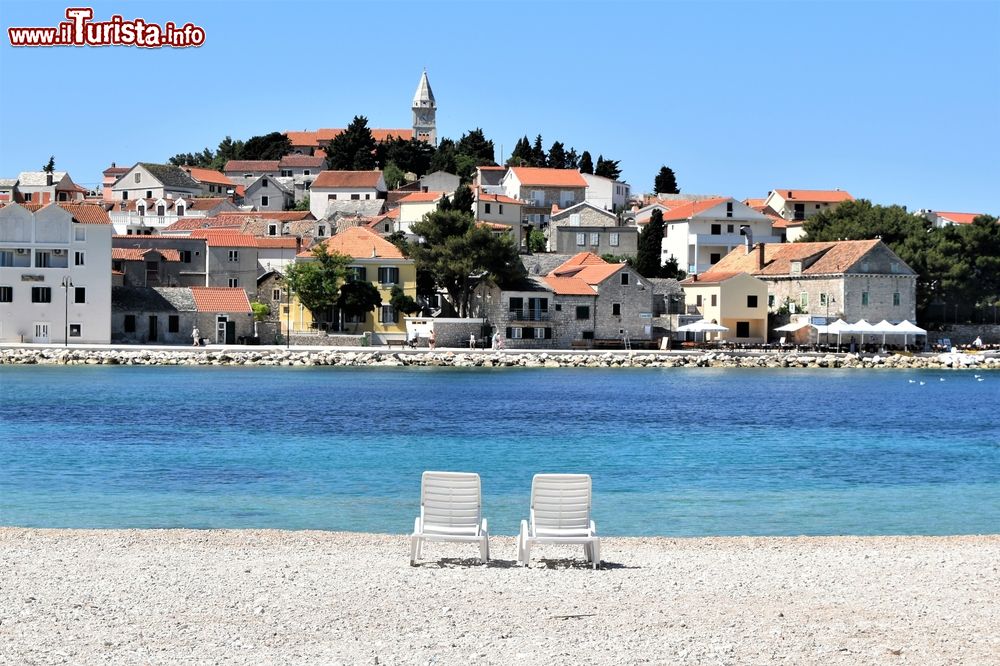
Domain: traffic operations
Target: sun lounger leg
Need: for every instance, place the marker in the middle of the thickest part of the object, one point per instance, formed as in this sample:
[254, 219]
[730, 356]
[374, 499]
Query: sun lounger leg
[595, 548]
[522, 544]
[414, 541]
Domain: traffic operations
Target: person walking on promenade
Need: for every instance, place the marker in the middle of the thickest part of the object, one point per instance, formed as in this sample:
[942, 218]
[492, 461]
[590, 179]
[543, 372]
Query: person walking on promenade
[195, 337]
[431, 341]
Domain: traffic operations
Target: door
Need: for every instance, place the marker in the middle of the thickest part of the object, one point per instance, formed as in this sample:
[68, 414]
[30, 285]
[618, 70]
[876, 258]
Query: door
[152, 336]
[230, 332]
[220, 329]
[41, 332]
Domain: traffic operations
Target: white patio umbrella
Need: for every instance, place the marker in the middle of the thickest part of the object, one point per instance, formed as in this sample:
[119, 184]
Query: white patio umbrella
[702, 326]
[885, 328]
[839, 327]
[792, 327]
[862, 326]
[908, 329]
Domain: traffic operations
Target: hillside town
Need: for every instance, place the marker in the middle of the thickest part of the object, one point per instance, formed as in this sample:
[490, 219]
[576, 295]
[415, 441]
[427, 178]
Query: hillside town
[289, 251]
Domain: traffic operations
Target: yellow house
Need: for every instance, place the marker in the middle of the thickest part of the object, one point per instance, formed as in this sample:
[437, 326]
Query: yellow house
[737, 301]
[375, 260]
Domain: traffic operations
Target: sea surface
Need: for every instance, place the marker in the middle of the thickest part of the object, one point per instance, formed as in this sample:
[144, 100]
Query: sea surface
[671, 452]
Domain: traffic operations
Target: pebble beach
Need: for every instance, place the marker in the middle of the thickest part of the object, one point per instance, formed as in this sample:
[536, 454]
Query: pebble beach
[269, 597]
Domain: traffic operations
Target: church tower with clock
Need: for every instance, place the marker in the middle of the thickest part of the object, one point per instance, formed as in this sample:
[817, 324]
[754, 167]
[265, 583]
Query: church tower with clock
[424, 111]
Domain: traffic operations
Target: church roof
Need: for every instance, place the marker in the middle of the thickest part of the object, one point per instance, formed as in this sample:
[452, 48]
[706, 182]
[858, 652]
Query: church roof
[424, 95]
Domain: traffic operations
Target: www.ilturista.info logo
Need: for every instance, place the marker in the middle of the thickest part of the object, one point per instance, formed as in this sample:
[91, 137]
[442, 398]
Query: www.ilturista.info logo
[79, 30]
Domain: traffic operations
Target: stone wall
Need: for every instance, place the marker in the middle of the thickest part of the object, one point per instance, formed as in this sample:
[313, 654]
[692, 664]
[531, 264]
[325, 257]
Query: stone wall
[336, 340]
[964, 334]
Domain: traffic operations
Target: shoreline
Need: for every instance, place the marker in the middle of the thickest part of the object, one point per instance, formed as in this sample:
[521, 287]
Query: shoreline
[465, 358]
[268, 596]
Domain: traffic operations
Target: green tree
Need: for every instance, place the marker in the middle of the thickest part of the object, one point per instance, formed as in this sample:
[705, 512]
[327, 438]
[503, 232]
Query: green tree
[647, 257]
[50, 166]
[586, 163]
[271, 146]
[302, 205]
[411, 155]
[317, 282]
[444, 157]
[260, 310]
[521, 155]
[665, 182]
[536, 240]
[228, 150]
[572, 159]
[400, 302]
[557, 156]
[538, 158]
[353, 149]
[475, 144]
[459, 253]
[358, 298]
[607, 168]
[463, 200]
[393, 175]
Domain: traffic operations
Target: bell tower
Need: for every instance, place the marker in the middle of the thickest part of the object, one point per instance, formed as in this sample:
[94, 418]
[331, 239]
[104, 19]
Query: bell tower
[424, 112]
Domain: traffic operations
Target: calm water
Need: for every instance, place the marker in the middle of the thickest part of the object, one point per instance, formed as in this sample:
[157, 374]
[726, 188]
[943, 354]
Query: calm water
[672, 452]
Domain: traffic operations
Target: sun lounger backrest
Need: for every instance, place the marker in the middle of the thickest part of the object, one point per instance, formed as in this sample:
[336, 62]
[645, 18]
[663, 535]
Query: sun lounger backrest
[450, 502]
[560, 504]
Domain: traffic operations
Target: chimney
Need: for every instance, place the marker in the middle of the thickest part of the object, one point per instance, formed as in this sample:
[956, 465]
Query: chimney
[789, 194]
[694, 278]
[760, 256]
[48, 179]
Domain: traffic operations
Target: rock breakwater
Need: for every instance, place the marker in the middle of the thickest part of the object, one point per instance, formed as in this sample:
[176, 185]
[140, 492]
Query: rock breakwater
[487, 359]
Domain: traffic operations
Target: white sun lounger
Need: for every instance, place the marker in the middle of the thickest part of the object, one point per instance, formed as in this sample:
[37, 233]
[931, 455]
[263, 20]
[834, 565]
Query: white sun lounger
[450, 510]
[560, 513]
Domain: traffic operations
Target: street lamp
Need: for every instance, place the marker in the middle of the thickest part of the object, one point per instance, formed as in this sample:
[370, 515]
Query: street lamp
[66, 283]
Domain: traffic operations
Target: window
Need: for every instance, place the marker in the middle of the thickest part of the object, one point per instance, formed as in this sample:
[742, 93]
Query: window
[331, 197]
[6, 294]
[321, 230]
[78, 259]
[41, 294]
[388, 315]
[388, 275]
[751, 300]
[516, 333]
[6, 257]
[149, 194]
[173, 324]
[368, 196]
[118, 265]
[864, 298]
[613, 239]
[595, 239]
[124, 195]
[265, 200]
[500, 209]
[272, 230]
[895, 298]
[715, 300]
[822, 299]
[79, 294]
[161, 210]
[355, 318]
[357, 273]
[587, 335]
[743, 329]
[248, 175]
[263, 182]
[27, 197]
[729, 228]
[180, 211]
[74, 330]
[234, 255]
[516, 303]
[697, 300]
[355, 197]
[583, 312]
[129, 324]
[540, 332]
[306, 172]
[616, 309]
[804, 300]
[770, 300]
[185, 256]
[625, 279]
[276, 294]
[488, 208]
[714, 258]
[716, 229]
[79, 233]
[581, 239]
[43, 259]
[729, 211]
[286, 173]
[138, 177]
[234, 282]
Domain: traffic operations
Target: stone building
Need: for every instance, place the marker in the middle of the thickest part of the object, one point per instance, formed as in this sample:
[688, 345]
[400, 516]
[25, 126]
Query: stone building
[168, 315]
[542, 188]
[848, 279]
[587, 228]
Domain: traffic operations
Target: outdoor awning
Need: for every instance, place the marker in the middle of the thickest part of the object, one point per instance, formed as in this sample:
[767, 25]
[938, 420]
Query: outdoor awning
[794, 326]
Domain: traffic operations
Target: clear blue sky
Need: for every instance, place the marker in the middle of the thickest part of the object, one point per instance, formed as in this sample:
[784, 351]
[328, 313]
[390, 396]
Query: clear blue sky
[896, 102]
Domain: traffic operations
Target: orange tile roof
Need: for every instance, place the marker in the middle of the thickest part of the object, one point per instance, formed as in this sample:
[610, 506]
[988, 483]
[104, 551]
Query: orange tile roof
[832, 258]
[277, 242]
[691, 208]
[546, 177]
[495, 226]
[83, 213]
[205, 203]
[498, 198]
[191, 223]
[580, 259]
[345, 179]
[251, 165]
[283, 215]
[569, 286]
[421, 197]
[958, 218]
[220, 299]
[820, 196]
[754, 203]
[301, 161]
[139, 253]
[578, 274]
[208, 176]
[225, 238]
[712, 277]
[492, 168]
[313, 139]
[360, 243]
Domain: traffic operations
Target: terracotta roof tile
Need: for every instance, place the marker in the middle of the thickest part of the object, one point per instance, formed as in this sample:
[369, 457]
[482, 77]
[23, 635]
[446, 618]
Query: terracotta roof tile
[283, 215]
[421, 197]
[545, 177]
[220, 299]
[958, 218]
[345, 179]
[360, 243]
[498, 198]
[830, 258]
[569, 286]
[827, 196]
[191, 223]
[277, 242]
[251, 165]
[205, 203]
[313, 139]
[690, 208]
[225, 238]
[302, 162]
[209, 176]
[580, 259]
[712, 277]
[139, 253]
[83, 213]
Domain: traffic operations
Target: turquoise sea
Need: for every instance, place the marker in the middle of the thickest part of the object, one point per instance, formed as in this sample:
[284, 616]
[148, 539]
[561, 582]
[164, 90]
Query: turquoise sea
[671, 452]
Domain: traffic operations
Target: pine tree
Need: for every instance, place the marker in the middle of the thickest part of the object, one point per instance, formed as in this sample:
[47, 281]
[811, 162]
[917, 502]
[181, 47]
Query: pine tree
[271, 146]
[353, 149]
[586, 163]
[557, 156]
[49, 167]
[538, 153]
[572, 159]
[647, 257]
[607, 168]
[521, 156]
[477, 146]
[665, 182]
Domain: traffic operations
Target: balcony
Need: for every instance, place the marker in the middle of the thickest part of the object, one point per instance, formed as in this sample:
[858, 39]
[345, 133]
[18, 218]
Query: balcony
[528, 315]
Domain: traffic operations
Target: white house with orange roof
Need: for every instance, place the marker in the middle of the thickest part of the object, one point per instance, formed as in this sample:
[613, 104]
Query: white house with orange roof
[55, 273]
[941, 219]
[607, 193]
[331, 186]
[374, 260]
[215, 183]
[542, 189]
[110, 176]
[699, 233]
[799, 205]
[302, 169]
[40, 187]
[146, 217]
[495, 208]
[414, 206]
